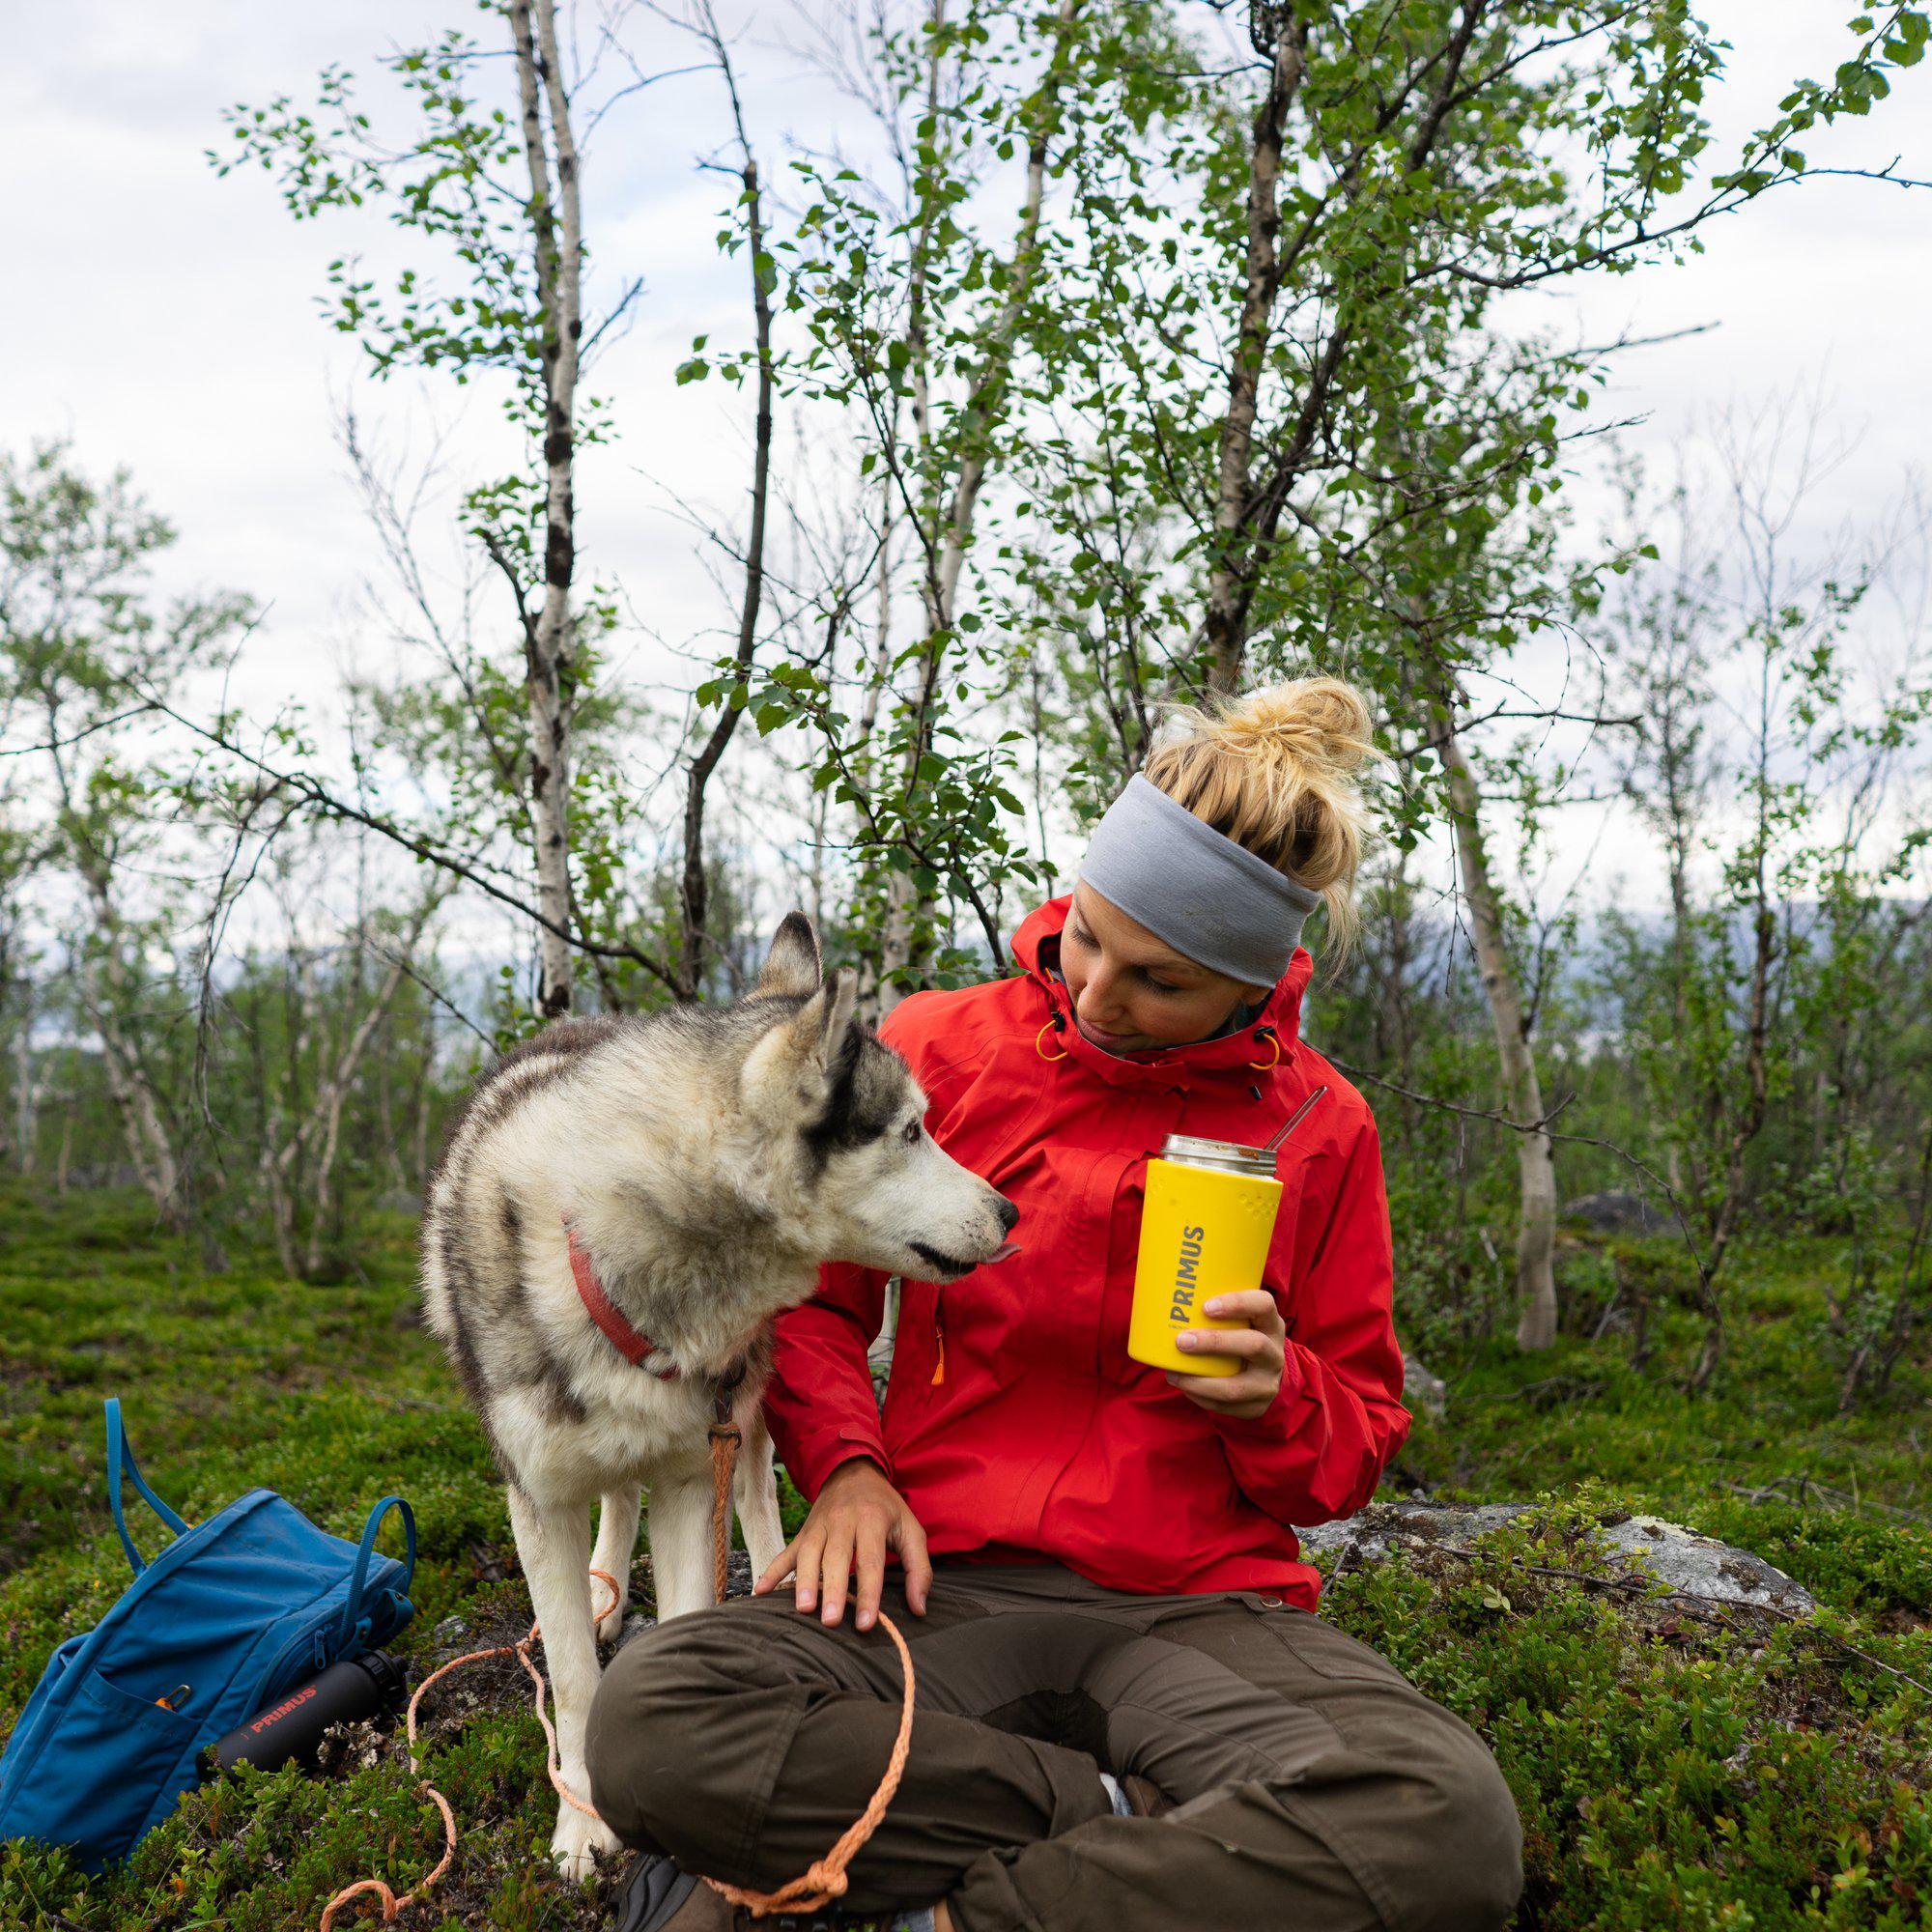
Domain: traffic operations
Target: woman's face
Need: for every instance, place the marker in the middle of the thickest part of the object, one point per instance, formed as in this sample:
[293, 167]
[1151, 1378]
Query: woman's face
[1131, 990]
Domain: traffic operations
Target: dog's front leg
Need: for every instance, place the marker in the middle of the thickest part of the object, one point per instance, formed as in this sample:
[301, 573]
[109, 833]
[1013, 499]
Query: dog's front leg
[681, 1546]
[616, 1542]
[758, 1496]
[554, 1541]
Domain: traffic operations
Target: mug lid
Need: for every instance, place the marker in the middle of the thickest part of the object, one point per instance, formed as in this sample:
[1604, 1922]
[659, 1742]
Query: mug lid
[1193, 1151]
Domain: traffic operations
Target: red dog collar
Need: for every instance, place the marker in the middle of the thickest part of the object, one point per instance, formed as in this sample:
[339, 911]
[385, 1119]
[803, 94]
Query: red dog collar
[625, 1339]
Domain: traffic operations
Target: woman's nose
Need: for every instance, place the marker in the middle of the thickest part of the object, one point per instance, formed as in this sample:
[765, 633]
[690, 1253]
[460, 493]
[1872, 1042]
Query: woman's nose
[1095, 1004]
[1097, 1001]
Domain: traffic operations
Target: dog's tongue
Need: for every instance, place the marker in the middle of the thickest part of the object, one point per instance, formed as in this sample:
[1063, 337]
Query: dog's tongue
[1005, 1252]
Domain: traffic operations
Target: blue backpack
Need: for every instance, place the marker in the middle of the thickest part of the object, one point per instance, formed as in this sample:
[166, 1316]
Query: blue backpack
[231, 1614]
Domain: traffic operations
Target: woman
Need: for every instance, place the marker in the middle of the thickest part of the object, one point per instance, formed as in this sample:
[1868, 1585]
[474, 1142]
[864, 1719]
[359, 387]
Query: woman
[1127, 1715]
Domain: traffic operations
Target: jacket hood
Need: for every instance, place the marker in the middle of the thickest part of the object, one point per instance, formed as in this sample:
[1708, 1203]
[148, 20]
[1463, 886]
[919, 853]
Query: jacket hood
[1278, 1023]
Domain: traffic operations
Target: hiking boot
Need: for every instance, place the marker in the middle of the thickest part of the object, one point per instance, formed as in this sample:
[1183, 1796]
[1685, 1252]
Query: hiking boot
[655, 1897]
[1143, 1799]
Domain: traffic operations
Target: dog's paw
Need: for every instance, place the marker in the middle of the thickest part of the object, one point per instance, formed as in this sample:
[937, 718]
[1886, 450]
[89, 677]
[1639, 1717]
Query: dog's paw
[611, 1622]
[579, 1841]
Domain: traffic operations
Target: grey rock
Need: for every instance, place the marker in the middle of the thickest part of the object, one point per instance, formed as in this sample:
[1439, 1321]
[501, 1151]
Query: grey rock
[1424, 1391]
[450, 1632]
[1675, 1557]
[1687, 1561]
[113, 1173]
[1619, 1211]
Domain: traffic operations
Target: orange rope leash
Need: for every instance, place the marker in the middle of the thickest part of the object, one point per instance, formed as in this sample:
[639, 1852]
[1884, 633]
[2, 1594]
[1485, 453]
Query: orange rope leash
[725, 1440]
[823, 1882]
[824, 1879]
[391, 1904]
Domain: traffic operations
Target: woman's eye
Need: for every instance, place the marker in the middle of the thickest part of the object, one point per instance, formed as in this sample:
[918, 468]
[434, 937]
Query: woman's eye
[912, 1133]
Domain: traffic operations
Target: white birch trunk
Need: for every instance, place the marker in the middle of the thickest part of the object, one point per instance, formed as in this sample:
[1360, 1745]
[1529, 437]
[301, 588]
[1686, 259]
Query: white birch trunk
[142, 1126]
[29, 1086]
[556, 224]
[1222, 622]
[1536, 1167]
[142, 1119]
[329, 1108]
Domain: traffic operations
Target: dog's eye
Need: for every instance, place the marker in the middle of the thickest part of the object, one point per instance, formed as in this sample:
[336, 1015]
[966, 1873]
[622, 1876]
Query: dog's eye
[912, 1133]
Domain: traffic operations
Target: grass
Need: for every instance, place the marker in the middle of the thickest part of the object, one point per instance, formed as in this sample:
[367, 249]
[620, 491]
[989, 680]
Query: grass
[1673, 1767]
[1520, 1426]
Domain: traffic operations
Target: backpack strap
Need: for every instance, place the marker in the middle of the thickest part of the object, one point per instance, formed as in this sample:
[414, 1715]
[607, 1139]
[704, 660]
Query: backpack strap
[121, 1457]
[352, 1611]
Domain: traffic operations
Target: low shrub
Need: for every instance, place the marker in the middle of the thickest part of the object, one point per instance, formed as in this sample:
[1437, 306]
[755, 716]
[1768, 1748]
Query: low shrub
[1675, 1766]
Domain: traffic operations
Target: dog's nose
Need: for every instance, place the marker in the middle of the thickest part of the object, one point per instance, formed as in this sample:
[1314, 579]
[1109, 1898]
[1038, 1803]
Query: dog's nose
[1009, 1214]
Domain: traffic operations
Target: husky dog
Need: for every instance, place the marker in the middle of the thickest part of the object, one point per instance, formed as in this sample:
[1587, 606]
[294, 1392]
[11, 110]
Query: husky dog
[706, 1162]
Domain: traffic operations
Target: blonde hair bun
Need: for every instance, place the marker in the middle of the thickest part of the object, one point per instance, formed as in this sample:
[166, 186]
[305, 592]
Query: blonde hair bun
[1278, 772]
[1315, 721]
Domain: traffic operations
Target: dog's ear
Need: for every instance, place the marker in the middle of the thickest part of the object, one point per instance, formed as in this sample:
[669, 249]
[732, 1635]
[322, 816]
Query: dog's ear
[799, 1059]
[793, 965]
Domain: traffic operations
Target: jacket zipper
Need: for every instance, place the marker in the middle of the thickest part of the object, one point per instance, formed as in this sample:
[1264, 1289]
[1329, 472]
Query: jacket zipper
[939, 1336]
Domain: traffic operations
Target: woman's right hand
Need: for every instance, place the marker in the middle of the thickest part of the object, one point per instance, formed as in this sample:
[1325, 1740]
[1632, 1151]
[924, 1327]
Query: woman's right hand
[857, 1518]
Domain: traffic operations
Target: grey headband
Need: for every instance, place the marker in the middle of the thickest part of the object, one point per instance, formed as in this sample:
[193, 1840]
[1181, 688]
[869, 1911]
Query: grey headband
[1214, 901]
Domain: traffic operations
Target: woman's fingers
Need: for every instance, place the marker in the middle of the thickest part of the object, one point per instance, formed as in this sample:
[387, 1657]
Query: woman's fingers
[839, 1556]
[782, 1567]
[836, 1569]
[1261, 1348]
[1247, 1343]
[1247, 1304]
[1246, 1395]
[910, 1541]
[1225, 1390]
[869, 1554]
[810, 1548]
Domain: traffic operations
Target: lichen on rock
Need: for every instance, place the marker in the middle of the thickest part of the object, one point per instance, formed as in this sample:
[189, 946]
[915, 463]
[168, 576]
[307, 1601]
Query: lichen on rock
[1675, 1557]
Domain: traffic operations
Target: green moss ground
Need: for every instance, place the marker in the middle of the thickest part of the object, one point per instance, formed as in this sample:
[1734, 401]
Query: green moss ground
[1673, 1767]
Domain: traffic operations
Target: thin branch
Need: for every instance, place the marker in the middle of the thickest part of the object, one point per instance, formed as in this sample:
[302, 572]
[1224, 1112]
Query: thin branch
[324, 800]
[1542, 1126]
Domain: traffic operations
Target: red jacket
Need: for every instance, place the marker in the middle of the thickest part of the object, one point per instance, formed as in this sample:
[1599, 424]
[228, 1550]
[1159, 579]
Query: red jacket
[1015, 1425]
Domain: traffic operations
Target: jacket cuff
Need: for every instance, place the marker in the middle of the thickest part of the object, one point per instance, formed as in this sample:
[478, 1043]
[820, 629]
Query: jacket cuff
[829, 1452]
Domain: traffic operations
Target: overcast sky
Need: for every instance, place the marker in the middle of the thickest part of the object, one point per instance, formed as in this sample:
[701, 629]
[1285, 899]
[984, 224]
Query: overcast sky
[165, 319]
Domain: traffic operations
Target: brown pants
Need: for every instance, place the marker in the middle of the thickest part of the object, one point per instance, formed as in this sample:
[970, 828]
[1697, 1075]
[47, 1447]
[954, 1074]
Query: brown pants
[1313, 1788]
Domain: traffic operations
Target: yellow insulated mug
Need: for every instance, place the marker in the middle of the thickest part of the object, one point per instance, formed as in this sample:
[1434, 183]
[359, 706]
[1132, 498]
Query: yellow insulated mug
[1205, 1230]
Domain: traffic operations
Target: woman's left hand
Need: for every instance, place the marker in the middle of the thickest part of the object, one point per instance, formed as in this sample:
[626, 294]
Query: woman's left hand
[1261, 1346]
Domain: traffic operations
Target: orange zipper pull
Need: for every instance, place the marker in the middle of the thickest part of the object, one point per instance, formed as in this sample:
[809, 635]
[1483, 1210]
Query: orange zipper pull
[939, 1335]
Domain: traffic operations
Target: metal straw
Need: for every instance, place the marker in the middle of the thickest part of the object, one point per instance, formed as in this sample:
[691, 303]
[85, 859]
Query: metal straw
[1294, 1120]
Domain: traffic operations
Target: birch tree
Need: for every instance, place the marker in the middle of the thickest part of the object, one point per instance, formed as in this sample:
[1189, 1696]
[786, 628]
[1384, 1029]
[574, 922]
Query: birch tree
[554, 211]
[1756, 665]
[84, 657]
[492, 189]
[1293, 218]
[952, 477]
[923, 321]
[1522, 1090]
[336, 1000]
